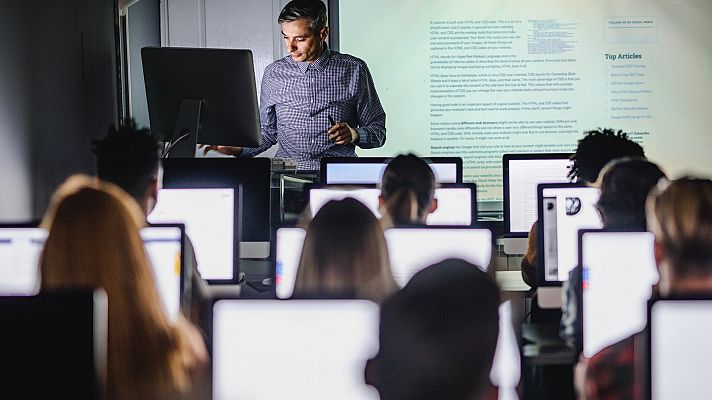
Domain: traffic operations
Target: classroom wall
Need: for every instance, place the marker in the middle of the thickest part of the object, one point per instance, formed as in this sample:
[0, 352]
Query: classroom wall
[57, 91]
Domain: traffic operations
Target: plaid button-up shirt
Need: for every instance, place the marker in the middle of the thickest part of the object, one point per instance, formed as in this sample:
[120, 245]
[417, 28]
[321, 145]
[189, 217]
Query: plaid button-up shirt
[297, 99]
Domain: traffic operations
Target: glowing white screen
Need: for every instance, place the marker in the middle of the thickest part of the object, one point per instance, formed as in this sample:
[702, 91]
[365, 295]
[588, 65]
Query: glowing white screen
[20, 249]
[561, 229]
[454, 207]
[454, 204]
[294, 349]
[524, 176]
[681, 350]
[320, 196]
[366, 173]
[208, 216]
[288, 251]
[163, 245]
[412, 249]
[619, 271]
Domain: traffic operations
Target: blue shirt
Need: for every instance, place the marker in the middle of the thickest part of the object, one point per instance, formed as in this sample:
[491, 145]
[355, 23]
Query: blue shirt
[297, 99]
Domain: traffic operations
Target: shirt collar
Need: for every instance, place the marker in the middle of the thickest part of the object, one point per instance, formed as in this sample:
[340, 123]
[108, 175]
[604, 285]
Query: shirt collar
[320, 63]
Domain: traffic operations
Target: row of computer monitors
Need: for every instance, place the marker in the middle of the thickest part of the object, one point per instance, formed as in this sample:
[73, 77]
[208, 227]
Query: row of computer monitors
[223, 202]
[619, 267]
[311, 348]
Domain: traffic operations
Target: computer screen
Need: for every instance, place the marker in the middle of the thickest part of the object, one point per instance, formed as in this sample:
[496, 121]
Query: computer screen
[20, 249]
[412, 249]
[563, 210]
[680, 350]
[252, 174]
[618, 274]
[456, 202]
[294, 349]
[208, 218]
[288, 252]
[369, 170]
[164, 246]
[521, 175]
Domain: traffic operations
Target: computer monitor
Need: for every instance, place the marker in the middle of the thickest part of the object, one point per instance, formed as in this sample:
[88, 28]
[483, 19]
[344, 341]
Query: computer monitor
[369, 170]
[20, 249]
[54, 345]
[679, 349]
[209, 94]
[288, 252]
[564, 208]
[457, 204]
[521, 175]
[253, 174]
[618, 274]
[211, 219]
[293, 349]
[412, 249]
[164, 245]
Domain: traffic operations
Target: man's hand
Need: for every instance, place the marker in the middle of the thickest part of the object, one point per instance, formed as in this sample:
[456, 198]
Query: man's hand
[342, 133]
[228, 150]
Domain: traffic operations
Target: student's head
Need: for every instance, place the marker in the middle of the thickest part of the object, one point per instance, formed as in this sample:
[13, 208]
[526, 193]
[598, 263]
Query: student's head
[596, 149]
[129, 158]
[625, 184]
[407, 190]
[680, 216]
[94, 242]
[438, 335]
[345, 254]
[305, 27]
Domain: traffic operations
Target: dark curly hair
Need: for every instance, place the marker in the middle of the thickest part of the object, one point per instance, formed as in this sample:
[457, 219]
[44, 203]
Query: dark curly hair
[597, 148]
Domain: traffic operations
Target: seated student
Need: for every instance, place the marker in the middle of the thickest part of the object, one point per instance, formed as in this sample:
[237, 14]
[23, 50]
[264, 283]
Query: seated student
[679, 215]
[407, 191]
[345, 254]
[94, 242]
[129, 158]
[594, 150]
[625, 184]
[438, 336]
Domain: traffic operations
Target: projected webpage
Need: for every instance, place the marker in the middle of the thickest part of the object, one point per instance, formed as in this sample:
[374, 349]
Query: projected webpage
[618, 274]
[288, 251]
[297, 349]
[412, 249]
[163, 246]
[20, 250]
[371, 173]
[565, 211]
[485, 78]
[680, 349]
[454, 204]
[208, 216]
[524, 176]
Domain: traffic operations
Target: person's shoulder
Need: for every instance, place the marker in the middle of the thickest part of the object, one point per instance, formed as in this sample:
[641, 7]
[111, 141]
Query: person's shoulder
[616, 354]
[348, 59]
[277, 65]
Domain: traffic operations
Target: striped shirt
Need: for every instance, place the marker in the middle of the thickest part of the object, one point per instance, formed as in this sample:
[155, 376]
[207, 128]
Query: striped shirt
[297, 99]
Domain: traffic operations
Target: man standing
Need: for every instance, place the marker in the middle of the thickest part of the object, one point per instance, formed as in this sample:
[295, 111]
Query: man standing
[315, 102]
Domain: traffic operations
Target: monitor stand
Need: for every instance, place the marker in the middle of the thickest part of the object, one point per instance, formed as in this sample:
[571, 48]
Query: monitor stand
[257, 250]
[185, 133]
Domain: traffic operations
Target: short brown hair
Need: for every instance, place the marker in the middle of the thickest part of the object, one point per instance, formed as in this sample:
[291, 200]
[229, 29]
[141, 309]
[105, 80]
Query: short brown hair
[680, 216]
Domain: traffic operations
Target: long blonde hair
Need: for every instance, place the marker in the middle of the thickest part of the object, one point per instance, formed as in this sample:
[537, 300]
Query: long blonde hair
[345, 254]
[94, 241]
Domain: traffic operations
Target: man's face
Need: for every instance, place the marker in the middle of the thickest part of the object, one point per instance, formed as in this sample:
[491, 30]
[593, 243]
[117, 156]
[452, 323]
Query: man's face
[303, 44]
